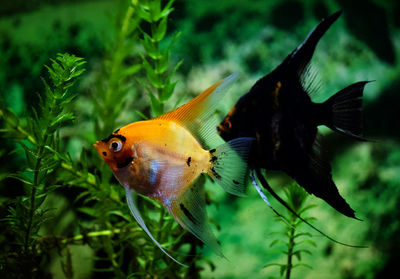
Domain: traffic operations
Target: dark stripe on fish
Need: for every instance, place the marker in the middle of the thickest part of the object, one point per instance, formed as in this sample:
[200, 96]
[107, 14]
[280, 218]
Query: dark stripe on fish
[125, 163]
[216, 175]
[122, 138]
[188, 161]
[187, 213]
[213, 159]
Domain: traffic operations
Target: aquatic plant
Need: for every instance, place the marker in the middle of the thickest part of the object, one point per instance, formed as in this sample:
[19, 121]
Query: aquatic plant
[57, 184]
[39, 138]
[155, 60]
[295, 242]
[87, 230]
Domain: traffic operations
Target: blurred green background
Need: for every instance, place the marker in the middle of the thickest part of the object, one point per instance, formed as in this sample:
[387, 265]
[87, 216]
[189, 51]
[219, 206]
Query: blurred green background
[252, 38]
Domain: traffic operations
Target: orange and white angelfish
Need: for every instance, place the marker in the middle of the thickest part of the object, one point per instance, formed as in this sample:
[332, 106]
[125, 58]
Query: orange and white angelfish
[162, 158]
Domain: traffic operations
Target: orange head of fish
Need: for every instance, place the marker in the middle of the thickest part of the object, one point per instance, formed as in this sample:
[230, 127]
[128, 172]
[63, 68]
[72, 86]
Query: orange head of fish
[115, 151]
[225, 127]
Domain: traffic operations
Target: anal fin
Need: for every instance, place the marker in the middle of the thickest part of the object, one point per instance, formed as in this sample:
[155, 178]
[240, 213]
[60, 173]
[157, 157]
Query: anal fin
[136, 214]
[189, 210]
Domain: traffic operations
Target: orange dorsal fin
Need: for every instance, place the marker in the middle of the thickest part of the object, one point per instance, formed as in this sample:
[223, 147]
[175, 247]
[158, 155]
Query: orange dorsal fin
[196, 114]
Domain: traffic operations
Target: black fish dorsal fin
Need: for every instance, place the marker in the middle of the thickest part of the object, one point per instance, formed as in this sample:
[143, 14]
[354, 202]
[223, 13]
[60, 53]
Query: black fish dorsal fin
[196, 114]
[302, 55]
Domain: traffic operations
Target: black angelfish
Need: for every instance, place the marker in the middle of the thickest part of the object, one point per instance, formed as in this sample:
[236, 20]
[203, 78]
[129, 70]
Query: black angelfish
[279, 113]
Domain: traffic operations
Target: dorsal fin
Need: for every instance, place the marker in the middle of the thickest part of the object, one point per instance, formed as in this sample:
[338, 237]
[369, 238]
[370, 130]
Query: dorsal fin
[302, 55]
[196, 114]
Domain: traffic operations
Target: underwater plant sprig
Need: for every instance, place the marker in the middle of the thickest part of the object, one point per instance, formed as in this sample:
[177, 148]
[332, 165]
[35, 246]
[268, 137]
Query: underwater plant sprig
[156, 60]
[115, 77]
[38, 139]
[296, 241]
[95, 186]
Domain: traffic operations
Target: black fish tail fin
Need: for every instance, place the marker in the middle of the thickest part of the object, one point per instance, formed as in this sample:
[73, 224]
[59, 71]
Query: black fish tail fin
[302, 55]
[228, 165]
[343, 111]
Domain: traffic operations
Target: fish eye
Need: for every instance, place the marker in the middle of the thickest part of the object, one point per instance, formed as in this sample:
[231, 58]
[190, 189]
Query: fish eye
[227, 124]
[116, 145]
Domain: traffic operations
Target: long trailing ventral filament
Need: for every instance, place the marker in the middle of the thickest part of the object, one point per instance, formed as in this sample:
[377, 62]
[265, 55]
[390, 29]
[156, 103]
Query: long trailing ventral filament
[266, 186]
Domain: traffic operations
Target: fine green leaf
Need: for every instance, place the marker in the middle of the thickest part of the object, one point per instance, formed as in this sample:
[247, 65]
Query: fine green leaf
[167, 9]
[272, 264]
[21, 177]
[141, 114]
[160, 30]
[302, 264]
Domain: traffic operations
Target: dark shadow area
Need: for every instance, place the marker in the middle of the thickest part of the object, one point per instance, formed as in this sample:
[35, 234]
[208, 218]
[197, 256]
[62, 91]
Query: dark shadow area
[287, 15]
[382, 116]
[360, 14]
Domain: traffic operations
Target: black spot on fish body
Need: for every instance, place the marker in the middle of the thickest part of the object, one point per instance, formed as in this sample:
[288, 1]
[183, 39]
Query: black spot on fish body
[105, 153]
[187, 213]
[212, 150]
[235, 182]
[124, 163]
[213, 159]
[216, 175]
[188, 161]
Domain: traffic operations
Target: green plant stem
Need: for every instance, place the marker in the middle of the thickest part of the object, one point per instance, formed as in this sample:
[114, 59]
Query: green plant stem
[119, 53]
[117, 61]
[157, 65]
[96, 234]
[89, 178]
[39, 156]
[291, 245]
[25, 133]
[33, 191]
[18, 128]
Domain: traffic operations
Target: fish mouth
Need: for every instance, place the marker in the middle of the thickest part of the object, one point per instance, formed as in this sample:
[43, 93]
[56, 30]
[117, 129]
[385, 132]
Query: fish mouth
[97, 145]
